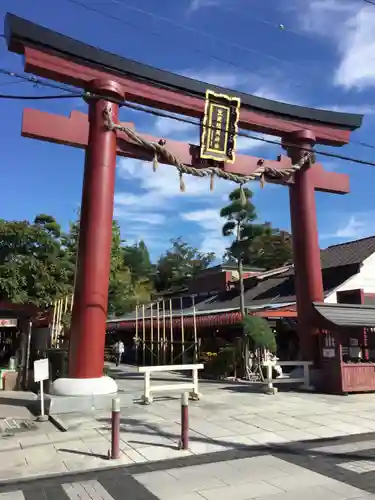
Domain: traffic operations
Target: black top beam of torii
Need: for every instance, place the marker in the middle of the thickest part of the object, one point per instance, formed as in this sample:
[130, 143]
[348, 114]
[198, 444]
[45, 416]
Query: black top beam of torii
[20, 32]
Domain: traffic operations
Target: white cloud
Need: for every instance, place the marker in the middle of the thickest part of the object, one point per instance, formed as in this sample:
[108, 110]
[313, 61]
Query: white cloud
[163, 184]
[352, 229]
[315, 16]
[144, 217]
[356, 226]
[349, 24]
[210, 224]
[360, 109]
[357, 66]
[159, 200]
[196, 5]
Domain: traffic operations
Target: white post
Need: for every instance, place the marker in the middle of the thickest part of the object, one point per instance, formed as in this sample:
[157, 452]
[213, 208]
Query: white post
[195, 393]
[41, 373]
[195, 332]
[306, 376]
[41, 399]
[147, 397]
[270, 388]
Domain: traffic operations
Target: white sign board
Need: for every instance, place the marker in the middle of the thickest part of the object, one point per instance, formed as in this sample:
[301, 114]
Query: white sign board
[328, 353]
[41, 370]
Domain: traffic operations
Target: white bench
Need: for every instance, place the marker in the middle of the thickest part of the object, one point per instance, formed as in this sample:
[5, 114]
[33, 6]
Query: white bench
[192, 386]
[286, 379]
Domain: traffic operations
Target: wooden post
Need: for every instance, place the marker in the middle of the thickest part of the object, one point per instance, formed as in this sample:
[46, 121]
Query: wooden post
[171, 327]
[58, 325]
[136, 335]
[195, 331]
[158, 320]
[152, 331]
[182, 330]
[143, 336]
[53, 324]
[164, 338]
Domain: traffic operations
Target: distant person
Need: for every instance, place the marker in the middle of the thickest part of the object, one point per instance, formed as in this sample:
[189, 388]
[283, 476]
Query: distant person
[119, 349]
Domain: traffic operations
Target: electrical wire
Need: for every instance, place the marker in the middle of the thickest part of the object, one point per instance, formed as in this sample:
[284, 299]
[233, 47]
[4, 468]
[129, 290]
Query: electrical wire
[5, 84]
[38, 97]
[71, 94]
[37, 81]
[250, 136]
[370, 2]
[165, 115]
[197, 32]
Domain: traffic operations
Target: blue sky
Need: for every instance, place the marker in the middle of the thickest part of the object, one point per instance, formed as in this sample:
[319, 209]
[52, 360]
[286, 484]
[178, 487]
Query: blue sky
[324, 57]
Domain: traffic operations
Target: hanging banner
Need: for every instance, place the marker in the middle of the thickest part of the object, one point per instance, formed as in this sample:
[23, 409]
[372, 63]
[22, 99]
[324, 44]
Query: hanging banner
[219, 127]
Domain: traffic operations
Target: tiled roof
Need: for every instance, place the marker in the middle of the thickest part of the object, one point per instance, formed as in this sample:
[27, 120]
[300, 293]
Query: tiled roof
[339, 263]
[275, 290]
[352, 252]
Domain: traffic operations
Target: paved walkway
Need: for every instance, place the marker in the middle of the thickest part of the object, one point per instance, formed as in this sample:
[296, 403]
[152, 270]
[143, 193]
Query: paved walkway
[279, 472]
[228, 422]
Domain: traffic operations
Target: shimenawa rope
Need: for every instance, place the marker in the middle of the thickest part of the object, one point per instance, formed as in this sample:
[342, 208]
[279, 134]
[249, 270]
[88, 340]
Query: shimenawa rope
[160, 150]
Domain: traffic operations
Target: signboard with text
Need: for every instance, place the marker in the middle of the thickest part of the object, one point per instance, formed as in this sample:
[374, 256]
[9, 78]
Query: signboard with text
[41, 370]
[8, 323]
[220, 127]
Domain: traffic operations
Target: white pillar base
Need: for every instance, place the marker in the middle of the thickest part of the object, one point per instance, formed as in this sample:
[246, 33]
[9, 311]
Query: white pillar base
[84, 386]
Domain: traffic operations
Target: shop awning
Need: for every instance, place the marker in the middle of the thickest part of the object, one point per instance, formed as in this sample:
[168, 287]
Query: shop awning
[350, 315]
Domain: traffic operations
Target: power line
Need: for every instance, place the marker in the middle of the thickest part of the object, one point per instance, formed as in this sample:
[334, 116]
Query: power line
[5, 84]
[371, 2]
[38, 97]
[250, 136]
[72, 94]
[195, 31]
[36, 81]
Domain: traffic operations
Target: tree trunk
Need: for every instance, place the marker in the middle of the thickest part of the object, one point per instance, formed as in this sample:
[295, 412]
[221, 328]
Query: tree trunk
[244, 346]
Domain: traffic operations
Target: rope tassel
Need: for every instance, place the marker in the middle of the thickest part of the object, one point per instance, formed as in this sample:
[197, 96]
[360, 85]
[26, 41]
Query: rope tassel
[160, 151]
[155, 162]
[262, 181]
[182, 183]
[212, 181]
[243, 199]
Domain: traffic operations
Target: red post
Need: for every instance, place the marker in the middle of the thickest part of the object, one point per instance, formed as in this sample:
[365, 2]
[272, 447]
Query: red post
[306, 251]
[115, 430]
[184, 421]
[87, 338]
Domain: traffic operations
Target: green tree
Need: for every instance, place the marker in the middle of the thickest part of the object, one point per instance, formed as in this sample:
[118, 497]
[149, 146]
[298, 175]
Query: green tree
[273, 249]
[120, 288]
[259, 334]
[179, 264]
[137, 258]
[240, 215]
[33, 264]
[257, 245]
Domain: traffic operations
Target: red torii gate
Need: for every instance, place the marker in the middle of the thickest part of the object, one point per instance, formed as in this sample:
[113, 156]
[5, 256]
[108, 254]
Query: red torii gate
[112, 79]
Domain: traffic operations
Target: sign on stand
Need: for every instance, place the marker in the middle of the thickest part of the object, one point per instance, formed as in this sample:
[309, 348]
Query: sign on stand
[41, 373]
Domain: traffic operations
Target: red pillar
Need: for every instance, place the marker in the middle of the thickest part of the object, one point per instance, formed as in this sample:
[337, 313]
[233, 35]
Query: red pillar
[87, 338]
[306, 251]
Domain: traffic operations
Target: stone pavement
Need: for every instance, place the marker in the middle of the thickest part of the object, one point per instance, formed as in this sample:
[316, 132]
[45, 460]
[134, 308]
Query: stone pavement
[229, 418]
[274, 472]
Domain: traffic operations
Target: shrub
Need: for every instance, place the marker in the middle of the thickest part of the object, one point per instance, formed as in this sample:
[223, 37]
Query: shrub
[259, 334]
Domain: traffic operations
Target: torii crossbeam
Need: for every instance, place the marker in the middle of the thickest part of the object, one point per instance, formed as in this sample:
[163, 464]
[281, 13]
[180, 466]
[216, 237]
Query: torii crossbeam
[112, 79]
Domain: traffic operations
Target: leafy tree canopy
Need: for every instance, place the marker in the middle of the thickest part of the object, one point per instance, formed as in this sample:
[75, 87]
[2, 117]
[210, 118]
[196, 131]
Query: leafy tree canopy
[259, 333]
[180, 263]
[33, 265]
[259, 245]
